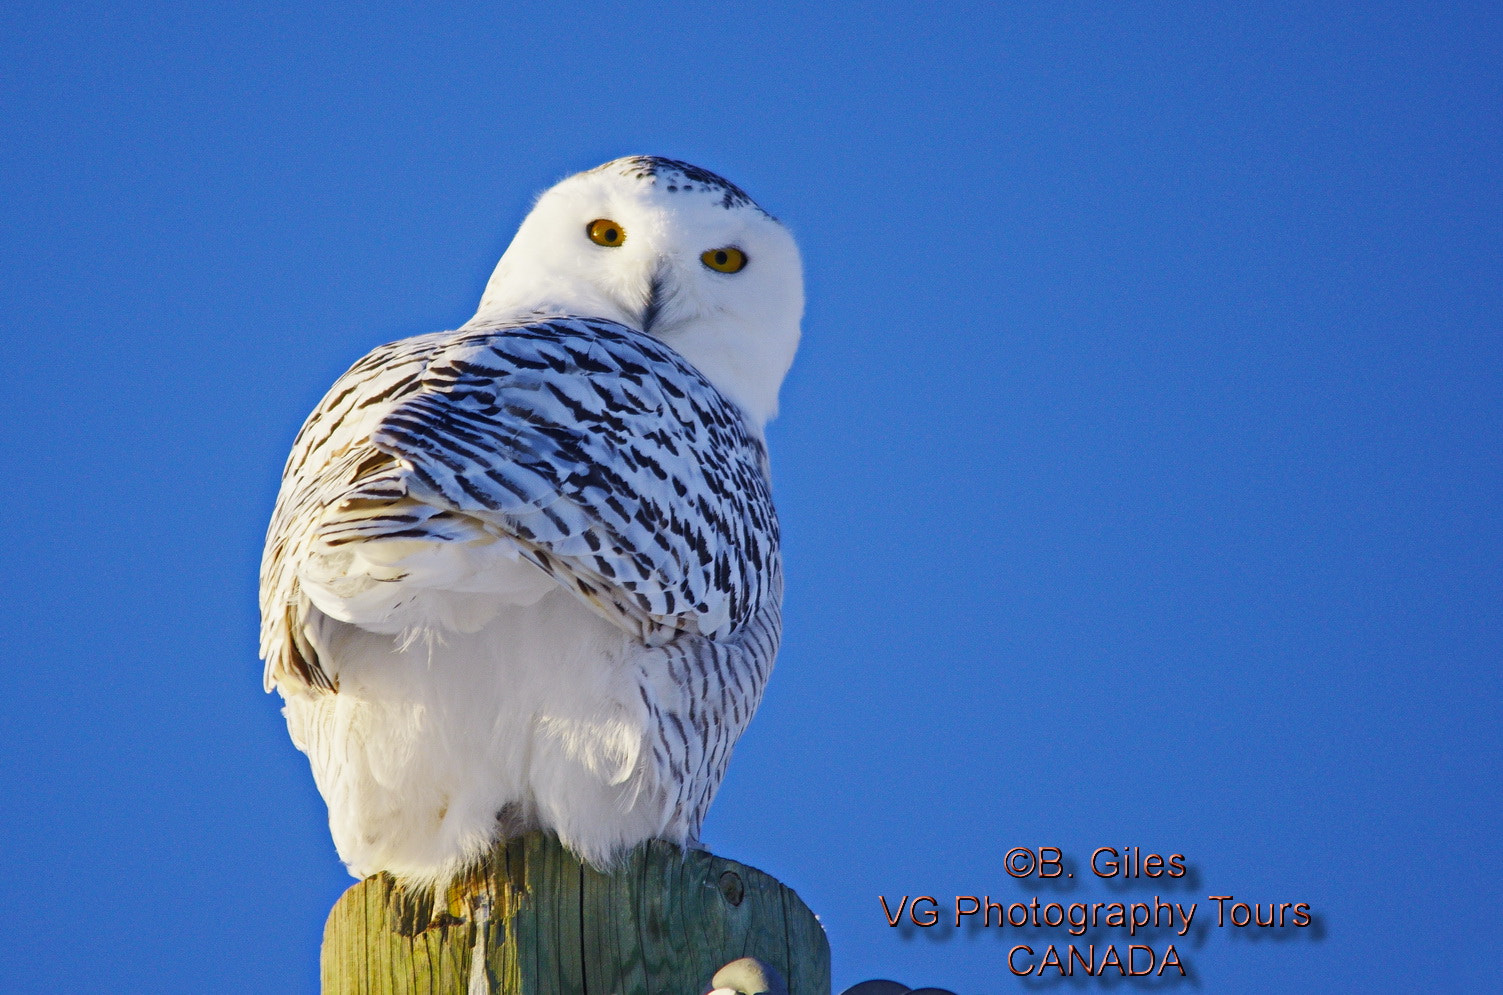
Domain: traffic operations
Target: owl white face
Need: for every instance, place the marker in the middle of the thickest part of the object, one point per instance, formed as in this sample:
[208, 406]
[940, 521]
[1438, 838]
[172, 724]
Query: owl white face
[674, 251]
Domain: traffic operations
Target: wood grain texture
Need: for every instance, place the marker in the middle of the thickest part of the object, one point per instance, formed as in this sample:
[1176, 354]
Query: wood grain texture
[664, 922]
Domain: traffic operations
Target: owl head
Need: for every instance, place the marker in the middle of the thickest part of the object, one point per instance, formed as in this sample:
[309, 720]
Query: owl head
[672, 250]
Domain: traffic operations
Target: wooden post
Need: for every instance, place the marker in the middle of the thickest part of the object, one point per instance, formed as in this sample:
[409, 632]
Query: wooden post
[532, 920]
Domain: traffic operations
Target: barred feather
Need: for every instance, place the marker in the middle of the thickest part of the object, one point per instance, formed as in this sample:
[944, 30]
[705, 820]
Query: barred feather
[615, 466]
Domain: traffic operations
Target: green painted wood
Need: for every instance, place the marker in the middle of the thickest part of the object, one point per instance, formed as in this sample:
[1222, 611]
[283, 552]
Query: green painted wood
[532, 920]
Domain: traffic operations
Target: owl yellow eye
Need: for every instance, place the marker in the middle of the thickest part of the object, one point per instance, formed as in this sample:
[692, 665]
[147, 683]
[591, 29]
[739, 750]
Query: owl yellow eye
[727, 260]
[604, 231]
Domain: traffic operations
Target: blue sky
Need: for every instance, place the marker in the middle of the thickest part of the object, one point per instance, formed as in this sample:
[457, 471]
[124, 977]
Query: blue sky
[1139, 473]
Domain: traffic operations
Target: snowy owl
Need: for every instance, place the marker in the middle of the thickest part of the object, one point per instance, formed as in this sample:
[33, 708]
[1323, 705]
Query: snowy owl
[525, 574]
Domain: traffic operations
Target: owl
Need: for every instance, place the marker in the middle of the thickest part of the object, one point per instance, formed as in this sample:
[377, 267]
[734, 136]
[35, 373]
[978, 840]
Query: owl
[526, 574]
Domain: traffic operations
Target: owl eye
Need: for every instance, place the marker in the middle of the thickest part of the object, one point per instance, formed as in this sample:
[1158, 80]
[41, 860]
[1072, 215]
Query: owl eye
[604, 231]
[727, 260]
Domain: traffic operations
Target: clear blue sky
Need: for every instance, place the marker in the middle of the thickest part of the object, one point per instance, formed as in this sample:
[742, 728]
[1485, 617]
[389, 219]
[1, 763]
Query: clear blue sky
[1140, 471]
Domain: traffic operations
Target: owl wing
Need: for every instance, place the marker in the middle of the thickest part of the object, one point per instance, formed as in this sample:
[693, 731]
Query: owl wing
[600, 453]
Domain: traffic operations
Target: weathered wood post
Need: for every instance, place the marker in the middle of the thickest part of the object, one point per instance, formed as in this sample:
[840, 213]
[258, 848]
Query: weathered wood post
[534, 921]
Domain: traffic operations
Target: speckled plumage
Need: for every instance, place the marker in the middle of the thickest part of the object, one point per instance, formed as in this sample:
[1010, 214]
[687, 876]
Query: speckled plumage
[527, 573]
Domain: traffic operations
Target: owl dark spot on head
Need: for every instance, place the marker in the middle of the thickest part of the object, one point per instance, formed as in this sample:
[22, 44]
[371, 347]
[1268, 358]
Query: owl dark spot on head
[690, 177]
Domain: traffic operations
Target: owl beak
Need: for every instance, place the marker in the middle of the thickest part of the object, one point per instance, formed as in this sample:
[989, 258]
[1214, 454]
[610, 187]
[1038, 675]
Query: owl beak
[657, 296]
